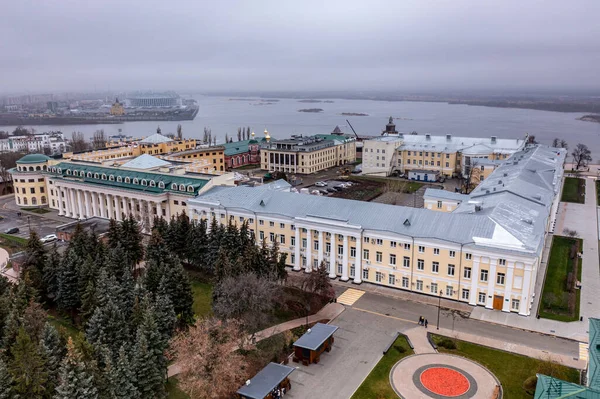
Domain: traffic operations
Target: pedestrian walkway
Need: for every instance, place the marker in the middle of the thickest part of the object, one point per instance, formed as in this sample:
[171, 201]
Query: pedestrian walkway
[329, 312]
[418, 338]
[350, 296]
[583, 351]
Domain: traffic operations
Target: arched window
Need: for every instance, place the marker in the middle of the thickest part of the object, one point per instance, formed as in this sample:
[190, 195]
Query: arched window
[144, 182]
[18, 200]
[136, 181]
[161, 184]
[190, 189]
[181, 187]
[89, 175]
[111, 178]
[174, 186]
[152, 183]
[68, 171]
[119, 179]
[44, 167]
[96, 176]
[24, 200]
[38, 167]
[127, 180]
[103, 176]
[31, 168]
[59, 170]
[43, 199]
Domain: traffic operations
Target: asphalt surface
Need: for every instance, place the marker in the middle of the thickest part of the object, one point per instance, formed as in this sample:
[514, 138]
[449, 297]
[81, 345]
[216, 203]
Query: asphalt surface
[410, 311]
[41, 225]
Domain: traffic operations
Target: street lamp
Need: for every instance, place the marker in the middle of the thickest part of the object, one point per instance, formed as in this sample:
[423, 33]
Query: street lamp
[439, 305]
[29, 224]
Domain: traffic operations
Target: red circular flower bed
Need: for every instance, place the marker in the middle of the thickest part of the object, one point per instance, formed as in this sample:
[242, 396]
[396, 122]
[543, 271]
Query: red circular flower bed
[444, 381]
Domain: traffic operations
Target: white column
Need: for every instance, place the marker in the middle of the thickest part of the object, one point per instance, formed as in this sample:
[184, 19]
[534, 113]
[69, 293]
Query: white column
[168, 209]
[524, 305]
[118, 208]
[474, 279]
[61, 210]
[297, 241]
[109, 202]
[309, 243]
[87, 204]
[489, 303]
[345, 260]
[80, 204]
[159, 209]
[73, 203]
[508, 286]
[358, 261]
[332, 256]
[94, 199]
[132, 203]
[321, 247]
[102, 205]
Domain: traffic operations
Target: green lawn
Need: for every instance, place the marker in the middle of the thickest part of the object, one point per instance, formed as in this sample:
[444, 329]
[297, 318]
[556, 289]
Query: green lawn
[11, 243]
[511, 369]
[377, 383]
[202, 298]
[39, 211]
[571, 190]
[555, 297]
[173, 392]
[63, 325]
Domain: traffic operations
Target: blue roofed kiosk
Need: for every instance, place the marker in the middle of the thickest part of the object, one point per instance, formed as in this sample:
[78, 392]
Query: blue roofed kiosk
[318, 339]
[264, 385]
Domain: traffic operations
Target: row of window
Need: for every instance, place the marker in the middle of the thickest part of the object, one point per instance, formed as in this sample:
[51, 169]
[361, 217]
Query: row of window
[128, 180]
[420, 162]
[33, 200]
[41, 179]
[31, 190]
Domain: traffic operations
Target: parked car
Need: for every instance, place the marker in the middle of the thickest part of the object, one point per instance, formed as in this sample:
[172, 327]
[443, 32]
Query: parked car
[332, 189]
[340, 187]
[13, 230]
[49, 238]
[321, 184]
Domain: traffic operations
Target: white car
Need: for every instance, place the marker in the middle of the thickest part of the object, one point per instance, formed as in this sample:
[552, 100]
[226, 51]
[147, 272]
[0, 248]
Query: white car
[49, 238]
[321, 184]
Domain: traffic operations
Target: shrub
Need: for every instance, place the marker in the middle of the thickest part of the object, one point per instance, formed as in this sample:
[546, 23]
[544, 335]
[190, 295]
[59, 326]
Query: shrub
[400, 349]
[447, 343]
[529, 384]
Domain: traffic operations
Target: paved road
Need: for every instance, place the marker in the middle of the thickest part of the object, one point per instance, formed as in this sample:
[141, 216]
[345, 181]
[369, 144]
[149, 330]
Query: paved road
[409, 312]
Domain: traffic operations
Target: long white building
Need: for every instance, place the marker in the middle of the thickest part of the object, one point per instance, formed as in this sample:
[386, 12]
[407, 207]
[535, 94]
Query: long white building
[485, 252]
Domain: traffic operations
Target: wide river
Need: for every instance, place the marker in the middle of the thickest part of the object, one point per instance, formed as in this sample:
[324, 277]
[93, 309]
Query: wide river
[281, 117]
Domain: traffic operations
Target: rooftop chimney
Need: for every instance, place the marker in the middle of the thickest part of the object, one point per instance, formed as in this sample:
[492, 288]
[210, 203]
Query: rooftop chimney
[427, 137]
[494, 139]
[448, 137]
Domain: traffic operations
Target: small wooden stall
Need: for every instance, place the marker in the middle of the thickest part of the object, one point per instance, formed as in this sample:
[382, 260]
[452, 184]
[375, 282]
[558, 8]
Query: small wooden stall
[272, 382]
[318, 339]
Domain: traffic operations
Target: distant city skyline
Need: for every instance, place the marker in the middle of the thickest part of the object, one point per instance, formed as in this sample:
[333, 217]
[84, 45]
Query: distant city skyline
[266, 45]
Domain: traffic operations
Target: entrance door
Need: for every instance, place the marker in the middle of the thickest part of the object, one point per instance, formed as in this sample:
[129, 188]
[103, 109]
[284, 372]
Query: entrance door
[498, 301]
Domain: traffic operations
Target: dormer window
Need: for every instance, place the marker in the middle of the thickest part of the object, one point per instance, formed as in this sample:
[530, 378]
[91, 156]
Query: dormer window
[68, 171]
[111, 178]
[161, 184]
[119, 179]
[96, 176]
[53, 170]
[190, 189]
[181, 187]
[136, 181]
[174, 186]
[103, 176]
[89, 175]
[59, 170]
[144, 182]
[127, 180]
[152, 183]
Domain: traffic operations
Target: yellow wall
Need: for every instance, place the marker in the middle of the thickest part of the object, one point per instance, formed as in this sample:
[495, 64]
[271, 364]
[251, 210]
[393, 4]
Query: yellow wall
[214, 155]
[30, 186]
[314, 161]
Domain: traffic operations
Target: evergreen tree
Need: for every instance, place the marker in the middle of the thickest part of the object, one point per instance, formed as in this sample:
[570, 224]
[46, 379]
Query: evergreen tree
[122, 382]
[51, 271]
[197, 245]
[157, 249]
[176, 285]
[148, 376]
[118, 262]
[79, 242]
[165, 316]
[34, 320]
[53, 351]
[107, 326]
[68, 283]
[6, 390]
[88, 301]
[27, 368]
[87, 273]
[34, 261]
[131, 240]
[114, 233]
[76, 381]
[178, 234]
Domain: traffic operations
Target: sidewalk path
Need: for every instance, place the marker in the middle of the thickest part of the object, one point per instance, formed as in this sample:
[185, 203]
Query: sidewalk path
[418, 337]
[329, 312]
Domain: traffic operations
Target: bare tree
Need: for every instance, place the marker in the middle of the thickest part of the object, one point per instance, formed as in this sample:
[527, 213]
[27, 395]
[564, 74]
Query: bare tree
[78, 143]
[556, 142]
[239, 134]
[531, 140]
[226, 138]
[581, 156]
[205, 138]
[318, 282]
[472, 176]
[247, 298]
[563, 144]
[208, 357]
[98, 139]
[179, 132]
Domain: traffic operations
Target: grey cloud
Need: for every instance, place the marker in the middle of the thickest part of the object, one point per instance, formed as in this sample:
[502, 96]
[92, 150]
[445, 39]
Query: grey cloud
[294, 45]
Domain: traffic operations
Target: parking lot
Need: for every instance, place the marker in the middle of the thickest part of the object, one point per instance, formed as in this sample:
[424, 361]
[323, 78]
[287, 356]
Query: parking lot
[10, 219]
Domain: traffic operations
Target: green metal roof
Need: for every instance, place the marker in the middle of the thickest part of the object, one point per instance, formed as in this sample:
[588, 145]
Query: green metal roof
[553, 388]
[335, 137]
[594, 354]
[33, 158]
[237, 147]
[94, 175]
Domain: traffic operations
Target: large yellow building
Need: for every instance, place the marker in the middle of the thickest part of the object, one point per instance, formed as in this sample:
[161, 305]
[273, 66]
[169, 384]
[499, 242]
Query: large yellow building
[485, 252]
[448, 155]
[29, 180]
[306, 155]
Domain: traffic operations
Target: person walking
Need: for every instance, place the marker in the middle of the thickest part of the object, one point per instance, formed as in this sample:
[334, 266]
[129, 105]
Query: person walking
[420, 320]
[426, 322]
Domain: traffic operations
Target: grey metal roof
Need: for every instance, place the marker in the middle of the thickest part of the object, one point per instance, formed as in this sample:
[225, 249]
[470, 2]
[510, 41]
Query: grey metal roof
[145, 162]
[315, 336]
[265, 381]
[471, 145]
[423, 171]
[443, 194]
[156, 138]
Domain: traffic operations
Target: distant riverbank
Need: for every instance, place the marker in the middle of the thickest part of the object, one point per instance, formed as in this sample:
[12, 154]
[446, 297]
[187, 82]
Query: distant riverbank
[590, 118]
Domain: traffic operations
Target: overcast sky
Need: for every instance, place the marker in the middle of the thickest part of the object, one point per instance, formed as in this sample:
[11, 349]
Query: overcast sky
[298, 44]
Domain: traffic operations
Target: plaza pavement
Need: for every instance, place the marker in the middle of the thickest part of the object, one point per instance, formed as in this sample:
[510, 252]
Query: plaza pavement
[582, 218]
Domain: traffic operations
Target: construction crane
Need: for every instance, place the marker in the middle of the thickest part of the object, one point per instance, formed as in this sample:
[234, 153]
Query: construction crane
[352, 129]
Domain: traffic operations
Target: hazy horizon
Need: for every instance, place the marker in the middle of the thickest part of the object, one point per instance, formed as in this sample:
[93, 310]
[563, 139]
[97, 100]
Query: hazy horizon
[272, 46]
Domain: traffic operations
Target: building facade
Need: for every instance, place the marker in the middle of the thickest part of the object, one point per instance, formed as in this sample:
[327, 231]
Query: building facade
[448, 155]
[29, 181]
[483, 253]
[241, 153]
[306, 155]
[51, 143]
